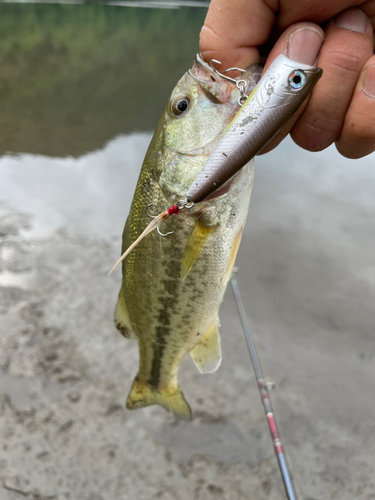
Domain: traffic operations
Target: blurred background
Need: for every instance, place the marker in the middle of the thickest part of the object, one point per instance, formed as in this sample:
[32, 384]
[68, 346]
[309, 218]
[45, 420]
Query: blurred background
[81, 89]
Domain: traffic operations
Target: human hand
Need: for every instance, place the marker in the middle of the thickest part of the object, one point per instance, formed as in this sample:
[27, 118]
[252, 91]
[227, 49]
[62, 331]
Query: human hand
[341, 108]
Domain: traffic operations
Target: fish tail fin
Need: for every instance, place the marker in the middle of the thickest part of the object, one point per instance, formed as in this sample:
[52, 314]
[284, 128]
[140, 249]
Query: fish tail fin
[171, 398]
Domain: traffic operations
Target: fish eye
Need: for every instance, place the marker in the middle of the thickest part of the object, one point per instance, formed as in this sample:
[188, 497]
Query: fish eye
[180, 104]
[297, 79]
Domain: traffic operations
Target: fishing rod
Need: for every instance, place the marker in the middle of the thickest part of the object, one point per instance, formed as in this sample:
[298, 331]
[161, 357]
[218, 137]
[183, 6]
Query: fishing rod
[264, 394]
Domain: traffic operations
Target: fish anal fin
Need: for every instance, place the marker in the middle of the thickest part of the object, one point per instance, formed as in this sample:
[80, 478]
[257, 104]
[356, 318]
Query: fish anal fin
[171, 398]
[233, 255]
[122, 321]
[194, 245]
[207, 353]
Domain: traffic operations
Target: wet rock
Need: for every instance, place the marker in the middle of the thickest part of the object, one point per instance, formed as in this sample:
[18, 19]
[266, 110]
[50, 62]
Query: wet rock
[4, 401]
[15, 484]
[114, 409]
[10, 296]
[51, 332]
[266, 486]
[31, 425]
[12, 221]
[67, 425]
[7, 229]
[51, 356]
[74, 396]
[44, 456]
[46, 415]
[4, 361]
[78, 313]
[16, 258]
[335, 475]
[67, 376]
[27, 446]
[28, 411]
[215, 490]
[9, 432]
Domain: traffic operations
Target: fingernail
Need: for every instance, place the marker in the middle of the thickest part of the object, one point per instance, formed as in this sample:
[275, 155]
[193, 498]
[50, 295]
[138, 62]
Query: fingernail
[353, 20]
[304, 45]
[369, 84]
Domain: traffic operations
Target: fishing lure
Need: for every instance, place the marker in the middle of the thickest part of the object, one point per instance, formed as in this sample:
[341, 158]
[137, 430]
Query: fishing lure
[278, 95]
[154, 224]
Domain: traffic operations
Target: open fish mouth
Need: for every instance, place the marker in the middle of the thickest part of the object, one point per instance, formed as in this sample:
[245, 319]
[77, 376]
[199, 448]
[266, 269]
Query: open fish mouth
[218, 87]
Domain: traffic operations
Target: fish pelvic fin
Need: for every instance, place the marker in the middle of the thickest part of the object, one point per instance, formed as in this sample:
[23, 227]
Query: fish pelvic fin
[194, 245]
[122, 320]
[171, 398]
[207, 353]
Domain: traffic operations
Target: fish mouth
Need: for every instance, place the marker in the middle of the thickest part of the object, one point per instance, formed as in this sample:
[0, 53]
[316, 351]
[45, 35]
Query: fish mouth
[204, 150]
[218, 86]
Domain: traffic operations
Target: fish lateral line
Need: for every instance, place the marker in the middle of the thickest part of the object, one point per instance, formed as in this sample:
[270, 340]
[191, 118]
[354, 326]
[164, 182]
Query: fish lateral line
[154, 224]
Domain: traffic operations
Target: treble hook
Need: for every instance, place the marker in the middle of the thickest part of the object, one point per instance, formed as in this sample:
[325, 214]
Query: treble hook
[162, 234]
[148, 215]
[154, 217]
[240, 84]
[223, 75]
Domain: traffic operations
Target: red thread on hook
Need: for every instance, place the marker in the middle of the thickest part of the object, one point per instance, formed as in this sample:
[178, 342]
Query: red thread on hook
[173, 210]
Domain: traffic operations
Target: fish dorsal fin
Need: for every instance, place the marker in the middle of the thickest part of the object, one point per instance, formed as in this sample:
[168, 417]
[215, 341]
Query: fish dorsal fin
[207, 354]
[194, 245]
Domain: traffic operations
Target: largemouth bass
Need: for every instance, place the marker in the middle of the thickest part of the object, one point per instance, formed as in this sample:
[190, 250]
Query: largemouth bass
[172, 287]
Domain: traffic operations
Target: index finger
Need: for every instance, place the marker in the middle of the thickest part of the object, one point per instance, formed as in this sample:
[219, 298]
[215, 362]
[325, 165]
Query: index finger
[233, 31]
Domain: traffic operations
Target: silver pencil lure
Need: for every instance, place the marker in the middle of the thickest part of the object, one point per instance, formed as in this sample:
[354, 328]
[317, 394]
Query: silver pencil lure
[278, 95]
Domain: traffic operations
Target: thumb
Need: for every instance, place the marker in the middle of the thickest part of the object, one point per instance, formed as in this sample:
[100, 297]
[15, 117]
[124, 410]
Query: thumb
[233, 31]
[301, 42]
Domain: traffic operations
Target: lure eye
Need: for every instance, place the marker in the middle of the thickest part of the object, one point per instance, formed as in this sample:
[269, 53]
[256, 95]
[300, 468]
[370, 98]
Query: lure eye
[297, 79]
[180, 105]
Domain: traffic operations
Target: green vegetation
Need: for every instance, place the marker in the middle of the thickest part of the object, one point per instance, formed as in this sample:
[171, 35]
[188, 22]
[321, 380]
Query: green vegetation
[73, 77]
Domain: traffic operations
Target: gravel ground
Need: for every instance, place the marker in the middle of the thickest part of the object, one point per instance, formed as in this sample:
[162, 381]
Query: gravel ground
[307, 275]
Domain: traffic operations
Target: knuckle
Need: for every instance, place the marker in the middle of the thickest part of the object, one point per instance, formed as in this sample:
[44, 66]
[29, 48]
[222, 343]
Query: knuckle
[308, 138]
[362, 128]
[357, 138]
[344, 65]
[207, 37]
[316, 131]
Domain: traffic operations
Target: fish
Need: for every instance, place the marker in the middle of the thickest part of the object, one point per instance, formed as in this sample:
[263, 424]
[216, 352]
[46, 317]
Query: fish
[172, 287]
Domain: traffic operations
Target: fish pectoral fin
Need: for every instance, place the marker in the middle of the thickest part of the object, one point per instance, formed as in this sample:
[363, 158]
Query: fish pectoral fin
[194, 245]
[122, 321]
[207, 354]
[171, 398]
